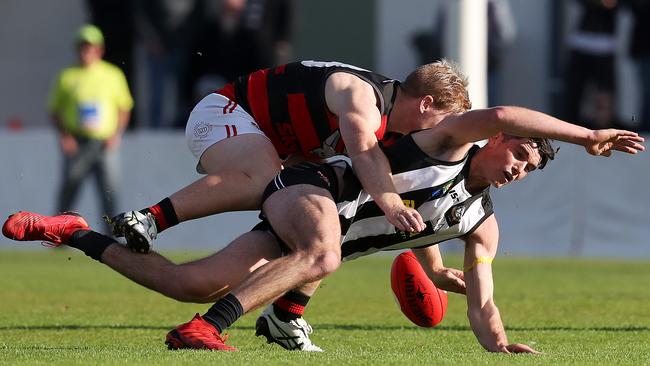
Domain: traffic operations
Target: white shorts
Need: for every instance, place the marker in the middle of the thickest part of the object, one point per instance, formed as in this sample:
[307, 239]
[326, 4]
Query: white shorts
[213, 119]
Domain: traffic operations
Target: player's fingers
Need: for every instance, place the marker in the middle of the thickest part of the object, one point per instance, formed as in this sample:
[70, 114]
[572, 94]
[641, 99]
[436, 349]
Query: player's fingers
[415, 220]
[406, 223]
[421, 223]
[407, 220]
[626, 133]
[630, 143]
[396, 221]
[626, 149]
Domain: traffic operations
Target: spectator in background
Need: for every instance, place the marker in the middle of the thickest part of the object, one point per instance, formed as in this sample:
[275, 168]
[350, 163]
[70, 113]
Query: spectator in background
[236, 38]
[166, 27]
[115, 19]
[639, 49]
[90, 105]
[502, 31]
[591, 65]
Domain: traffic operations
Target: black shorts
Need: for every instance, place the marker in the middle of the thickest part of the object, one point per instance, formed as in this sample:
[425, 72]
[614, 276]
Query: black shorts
[319, 175]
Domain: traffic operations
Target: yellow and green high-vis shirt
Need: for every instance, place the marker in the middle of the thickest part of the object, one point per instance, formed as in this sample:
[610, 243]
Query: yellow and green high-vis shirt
[87, 100]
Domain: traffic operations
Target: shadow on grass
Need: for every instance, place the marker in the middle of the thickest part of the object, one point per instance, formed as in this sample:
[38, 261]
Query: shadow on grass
[351, 327]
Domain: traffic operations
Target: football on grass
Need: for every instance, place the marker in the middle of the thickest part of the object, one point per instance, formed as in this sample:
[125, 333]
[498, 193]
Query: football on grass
[421, 302]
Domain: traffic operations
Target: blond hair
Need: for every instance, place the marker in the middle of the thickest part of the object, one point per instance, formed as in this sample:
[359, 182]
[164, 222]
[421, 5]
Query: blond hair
[442, 80]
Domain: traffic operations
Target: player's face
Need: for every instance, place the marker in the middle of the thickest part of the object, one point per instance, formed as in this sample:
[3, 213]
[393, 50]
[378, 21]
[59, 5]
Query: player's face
[513, 158]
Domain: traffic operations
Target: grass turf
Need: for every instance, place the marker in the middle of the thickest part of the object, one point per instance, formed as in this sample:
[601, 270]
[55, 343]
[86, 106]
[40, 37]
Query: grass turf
[59, 307]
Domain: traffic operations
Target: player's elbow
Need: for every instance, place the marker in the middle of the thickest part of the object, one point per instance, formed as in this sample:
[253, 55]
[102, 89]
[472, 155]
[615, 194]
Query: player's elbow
[497, 115]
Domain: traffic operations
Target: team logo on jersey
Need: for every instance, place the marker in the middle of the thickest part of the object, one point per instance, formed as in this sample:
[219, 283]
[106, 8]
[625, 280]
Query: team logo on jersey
[202, 130]
[454, 214]
[329, 146]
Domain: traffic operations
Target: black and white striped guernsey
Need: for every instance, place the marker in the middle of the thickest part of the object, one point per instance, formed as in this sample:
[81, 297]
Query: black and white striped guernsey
[435, 188]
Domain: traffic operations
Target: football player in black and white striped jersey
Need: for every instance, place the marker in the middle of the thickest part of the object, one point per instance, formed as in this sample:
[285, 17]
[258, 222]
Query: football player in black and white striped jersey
[318, 214]
[318, 218]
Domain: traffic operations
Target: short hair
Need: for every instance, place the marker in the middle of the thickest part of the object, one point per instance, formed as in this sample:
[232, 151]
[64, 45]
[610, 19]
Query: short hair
[442, 80]
[545, 149]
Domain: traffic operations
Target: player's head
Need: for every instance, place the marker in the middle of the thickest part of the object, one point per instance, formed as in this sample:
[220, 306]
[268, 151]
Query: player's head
[443, 82]
[506, 158]
[90, 44]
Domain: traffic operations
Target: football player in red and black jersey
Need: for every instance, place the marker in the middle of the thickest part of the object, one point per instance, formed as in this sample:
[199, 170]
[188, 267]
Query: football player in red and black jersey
[309, 110]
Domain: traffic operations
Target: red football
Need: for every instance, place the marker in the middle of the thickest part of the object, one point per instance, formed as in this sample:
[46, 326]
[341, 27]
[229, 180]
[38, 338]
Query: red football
[421, 302]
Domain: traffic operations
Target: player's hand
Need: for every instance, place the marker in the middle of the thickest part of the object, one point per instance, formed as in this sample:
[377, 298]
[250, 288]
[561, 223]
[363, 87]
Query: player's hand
[449, 279]
[405, 219]
[602, 142]
[520, 348]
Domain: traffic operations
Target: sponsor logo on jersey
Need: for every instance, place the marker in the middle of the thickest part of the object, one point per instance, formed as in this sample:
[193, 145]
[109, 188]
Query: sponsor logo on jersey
[455, 214]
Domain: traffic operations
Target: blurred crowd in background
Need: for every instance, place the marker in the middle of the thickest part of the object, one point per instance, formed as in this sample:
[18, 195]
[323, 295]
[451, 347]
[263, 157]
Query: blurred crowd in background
[192, 47]
[587, 65]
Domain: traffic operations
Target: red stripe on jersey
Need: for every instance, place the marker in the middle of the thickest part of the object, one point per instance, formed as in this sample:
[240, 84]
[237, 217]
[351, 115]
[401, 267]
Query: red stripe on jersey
[234, 130]
[227, 91]
[302, 124]
[234, 105]
[279, 69]
[225, 108]
[258, 100]
[227, 131]
[332, 120]
[382, 128]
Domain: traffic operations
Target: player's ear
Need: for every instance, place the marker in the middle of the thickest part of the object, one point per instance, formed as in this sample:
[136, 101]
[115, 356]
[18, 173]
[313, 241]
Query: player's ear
[494, 140]
[426, 103]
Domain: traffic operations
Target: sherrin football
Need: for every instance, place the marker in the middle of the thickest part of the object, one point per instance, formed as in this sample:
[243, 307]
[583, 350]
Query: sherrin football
[421, 302]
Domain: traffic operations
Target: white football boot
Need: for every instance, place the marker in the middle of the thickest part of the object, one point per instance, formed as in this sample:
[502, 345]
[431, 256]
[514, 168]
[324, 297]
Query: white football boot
[293, 335]
[139, 229]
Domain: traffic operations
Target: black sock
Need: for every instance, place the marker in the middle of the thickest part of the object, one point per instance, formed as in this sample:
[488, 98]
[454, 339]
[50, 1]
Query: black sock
[92, 243]
[224, 312]
[290, 306]
[164, 214]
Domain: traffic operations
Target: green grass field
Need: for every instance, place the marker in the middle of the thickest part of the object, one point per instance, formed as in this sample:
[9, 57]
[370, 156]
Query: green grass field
[60, 307]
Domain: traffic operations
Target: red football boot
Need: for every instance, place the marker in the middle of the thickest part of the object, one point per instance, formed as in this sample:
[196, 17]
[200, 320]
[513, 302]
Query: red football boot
[24, 226]
[197, 334]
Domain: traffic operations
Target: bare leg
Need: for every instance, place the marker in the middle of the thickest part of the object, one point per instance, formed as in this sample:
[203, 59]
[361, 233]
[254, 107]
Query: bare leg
[203, 280]
[309, 289]
[306, 218]
[239, 169]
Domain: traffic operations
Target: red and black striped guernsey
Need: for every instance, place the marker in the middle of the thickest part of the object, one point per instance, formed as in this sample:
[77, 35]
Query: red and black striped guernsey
[288, 103]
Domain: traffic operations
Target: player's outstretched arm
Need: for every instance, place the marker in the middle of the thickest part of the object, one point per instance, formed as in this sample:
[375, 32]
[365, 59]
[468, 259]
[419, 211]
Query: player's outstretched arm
[476, 125]
[448, 279]
[483, 314]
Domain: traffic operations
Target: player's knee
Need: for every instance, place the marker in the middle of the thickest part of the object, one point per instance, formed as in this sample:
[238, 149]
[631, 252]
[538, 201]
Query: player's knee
[324, 263]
